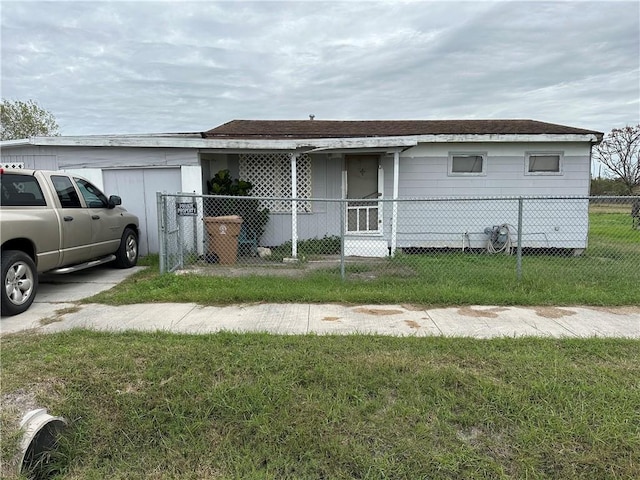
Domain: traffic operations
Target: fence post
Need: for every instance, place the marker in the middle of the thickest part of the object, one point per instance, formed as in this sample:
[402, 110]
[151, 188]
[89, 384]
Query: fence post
[343, 206]
[519, 250]
[179, 225]
[161, 232]
[294, 206]
[394, 207]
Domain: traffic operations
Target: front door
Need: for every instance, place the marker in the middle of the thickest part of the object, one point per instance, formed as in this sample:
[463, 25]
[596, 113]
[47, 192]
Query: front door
[363, 190]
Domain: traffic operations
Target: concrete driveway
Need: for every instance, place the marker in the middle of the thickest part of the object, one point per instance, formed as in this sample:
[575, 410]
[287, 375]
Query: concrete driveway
[60, 292]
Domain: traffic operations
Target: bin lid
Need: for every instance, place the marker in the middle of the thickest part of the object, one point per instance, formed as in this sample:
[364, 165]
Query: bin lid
[224, 219]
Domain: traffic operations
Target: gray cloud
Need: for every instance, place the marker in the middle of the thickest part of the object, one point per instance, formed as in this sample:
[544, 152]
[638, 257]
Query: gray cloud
[131, 67]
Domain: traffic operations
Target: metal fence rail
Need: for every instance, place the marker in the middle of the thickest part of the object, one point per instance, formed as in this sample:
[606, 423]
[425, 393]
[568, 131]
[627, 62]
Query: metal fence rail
[216, 233]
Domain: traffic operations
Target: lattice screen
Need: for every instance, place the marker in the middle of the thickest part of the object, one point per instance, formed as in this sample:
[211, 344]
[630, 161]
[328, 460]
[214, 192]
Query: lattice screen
[13, 165]
[270, 174]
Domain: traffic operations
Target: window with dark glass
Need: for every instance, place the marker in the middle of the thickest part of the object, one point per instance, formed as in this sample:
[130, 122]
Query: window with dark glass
[543, 163]
[66, 192]
[93, 197]
[20, 191]
[467, 163]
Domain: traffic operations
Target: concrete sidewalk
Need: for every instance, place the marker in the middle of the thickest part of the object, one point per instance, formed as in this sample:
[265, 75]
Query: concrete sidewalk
[327, 319]
[56, 308]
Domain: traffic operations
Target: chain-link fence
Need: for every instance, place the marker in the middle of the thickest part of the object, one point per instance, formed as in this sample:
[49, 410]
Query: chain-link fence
[431, 237]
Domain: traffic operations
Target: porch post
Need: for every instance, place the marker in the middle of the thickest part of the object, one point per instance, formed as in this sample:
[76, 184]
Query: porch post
[394, 218]
[294, 206]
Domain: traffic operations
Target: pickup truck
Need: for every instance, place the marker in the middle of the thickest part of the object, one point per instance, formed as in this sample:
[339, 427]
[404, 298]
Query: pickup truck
[57, 222]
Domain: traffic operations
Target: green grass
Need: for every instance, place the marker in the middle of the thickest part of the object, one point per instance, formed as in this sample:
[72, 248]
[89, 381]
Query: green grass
[229, 406]
[607, 274]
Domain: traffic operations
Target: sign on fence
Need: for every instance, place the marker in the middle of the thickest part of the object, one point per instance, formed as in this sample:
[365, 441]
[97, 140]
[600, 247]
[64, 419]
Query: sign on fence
[187, 209]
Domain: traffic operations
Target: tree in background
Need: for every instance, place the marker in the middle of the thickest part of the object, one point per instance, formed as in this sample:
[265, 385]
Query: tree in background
[608, 186]
[619, 151]
[25, 119]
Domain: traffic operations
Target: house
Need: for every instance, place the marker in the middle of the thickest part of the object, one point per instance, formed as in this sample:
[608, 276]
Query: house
[366, 162]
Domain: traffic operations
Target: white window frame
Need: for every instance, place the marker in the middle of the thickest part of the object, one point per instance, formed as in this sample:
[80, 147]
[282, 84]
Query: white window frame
[527, 159]
[482, 173]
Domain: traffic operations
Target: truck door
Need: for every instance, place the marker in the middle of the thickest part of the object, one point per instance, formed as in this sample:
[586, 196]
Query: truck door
[106, 223]
[75, 222]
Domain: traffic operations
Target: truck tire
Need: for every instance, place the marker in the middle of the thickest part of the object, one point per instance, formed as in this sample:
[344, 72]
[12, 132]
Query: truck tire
[19, 282]
[127, 254]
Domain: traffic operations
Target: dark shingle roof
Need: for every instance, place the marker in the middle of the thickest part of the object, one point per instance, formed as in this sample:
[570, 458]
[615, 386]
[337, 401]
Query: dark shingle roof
[299, 129]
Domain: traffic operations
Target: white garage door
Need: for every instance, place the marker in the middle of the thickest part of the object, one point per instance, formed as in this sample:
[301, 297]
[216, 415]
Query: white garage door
[137, 188]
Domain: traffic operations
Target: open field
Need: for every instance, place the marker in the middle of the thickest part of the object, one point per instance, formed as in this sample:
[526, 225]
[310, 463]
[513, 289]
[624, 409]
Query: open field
[608, 273]
[610, 208]
[232, 406]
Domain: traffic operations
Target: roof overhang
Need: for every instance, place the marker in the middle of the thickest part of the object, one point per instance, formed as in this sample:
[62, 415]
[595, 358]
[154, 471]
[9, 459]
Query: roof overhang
[316, 144]
[507, 138]
[217, 144]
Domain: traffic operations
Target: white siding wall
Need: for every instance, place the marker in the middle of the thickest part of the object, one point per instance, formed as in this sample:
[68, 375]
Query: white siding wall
[424, 173]
[54, 158]
[115, 157]
[30, 161]
[137, 187]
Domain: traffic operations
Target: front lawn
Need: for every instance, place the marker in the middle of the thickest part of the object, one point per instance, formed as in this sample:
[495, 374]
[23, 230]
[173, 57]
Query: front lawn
[233, 406]
[608, 273]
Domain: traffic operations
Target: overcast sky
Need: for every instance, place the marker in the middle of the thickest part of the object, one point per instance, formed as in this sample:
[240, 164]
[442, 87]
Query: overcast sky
[145, 67]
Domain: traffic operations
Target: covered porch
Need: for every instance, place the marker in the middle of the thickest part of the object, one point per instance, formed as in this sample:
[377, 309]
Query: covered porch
[297, 185]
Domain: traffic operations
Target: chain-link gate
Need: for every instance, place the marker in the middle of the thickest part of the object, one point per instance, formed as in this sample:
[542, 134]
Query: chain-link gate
[430, 237]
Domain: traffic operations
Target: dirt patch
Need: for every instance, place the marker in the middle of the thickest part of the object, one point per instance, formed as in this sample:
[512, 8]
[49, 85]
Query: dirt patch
[412, 324]
[18, 402]
[378, 311]
[412, 308]
[470, 436]
[331, 319]
[483, 313]
[553, 312]
[375, 271]
[628, 310]
[58, 316]
[275, 270]
[363, 276]
[357, 268]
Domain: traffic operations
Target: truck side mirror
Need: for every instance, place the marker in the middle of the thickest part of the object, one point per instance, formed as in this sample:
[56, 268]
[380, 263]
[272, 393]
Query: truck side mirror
[114, 200]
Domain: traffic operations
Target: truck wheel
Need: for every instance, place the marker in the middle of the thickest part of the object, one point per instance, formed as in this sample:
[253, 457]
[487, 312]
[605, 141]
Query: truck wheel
[20, 282]
[127, 254]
